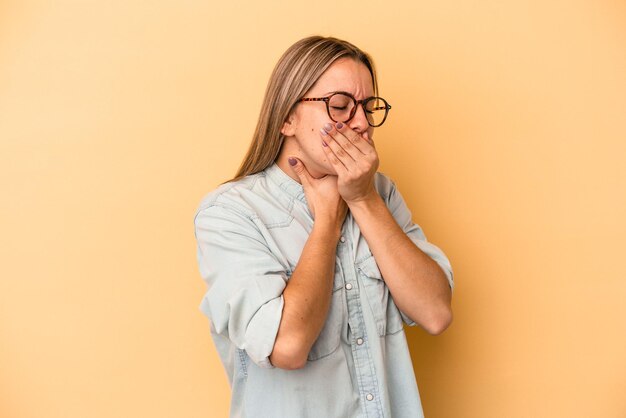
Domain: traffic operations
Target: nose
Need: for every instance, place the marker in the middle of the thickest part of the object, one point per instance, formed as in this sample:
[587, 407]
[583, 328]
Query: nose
[358, 122]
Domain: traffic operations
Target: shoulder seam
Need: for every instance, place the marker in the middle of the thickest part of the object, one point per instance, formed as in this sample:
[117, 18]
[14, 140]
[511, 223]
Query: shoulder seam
[217, 200]
[227, 206]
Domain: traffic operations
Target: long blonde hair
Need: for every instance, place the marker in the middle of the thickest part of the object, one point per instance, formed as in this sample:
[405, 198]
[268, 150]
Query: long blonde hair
[295, 73]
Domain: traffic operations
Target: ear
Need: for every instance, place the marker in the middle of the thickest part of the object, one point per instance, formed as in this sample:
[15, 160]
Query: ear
[289, 126]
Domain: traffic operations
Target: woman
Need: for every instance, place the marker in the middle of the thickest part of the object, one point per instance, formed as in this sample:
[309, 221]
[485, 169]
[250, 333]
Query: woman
[310, 256]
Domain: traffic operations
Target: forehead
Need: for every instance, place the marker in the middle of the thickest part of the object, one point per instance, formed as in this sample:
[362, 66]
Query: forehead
[345, 74]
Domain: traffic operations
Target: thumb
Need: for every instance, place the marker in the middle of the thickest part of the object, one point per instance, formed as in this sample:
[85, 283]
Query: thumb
[300, 170]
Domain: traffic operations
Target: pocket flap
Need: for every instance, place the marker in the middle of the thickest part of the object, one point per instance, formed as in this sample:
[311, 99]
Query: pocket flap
[369, 268]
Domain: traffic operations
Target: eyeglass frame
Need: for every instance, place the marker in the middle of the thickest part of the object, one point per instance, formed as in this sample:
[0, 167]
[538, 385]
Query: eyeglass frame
[362, 102]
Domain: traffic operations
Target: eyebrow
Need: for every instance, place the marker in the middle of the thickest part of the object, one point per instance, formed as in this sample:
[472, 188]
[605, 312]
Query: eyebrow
[341, 91]
[337, 91]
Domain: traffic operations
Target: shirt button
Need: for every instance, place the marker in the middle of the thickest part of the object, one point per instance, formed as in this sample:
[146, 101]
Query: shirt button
[342, 239]
[359, 341]
[349, 286]
[369, 397]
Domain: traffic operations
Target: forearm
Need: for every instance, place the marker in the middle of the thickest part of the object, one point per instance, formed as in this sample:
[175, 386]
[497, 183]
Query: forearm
[307, 297]
[418, 285]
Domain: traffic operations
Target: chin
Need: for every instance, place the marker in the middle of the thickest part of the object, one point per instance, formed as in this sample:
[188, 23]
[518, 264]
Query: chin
[327, 169]
[320, 169]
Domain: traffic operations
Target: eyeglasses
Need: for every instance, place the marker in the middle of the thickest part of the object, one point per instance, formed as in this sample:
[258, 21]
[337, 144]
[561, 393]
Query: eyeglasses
[341, 107]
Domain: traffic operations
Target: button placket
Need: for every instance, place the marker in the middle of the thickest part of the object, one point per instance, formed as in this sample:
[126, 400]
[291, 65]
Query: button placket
[361, 353]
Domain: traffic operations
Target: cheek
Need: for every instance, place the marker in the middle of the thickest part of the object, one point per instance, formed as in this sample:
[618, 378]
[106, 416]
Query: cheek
[314, 120]
[313, 147]
[308, 135]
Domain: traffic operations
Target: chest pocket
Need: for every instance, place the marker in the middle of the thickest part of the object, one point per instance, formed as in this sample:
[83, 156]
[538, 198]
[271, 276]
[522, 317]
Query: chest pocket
[329, 339]
[385, 312]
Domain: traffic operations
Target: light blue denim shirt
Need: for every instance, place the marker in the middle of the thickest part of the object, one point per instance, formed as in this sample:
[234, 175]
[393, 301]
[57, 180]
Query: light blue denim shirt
[250, 235]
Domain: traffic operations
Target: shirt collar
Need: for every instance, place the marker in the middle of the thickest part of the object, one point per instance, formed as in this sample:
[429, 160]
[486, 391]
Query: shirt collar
[289, 185]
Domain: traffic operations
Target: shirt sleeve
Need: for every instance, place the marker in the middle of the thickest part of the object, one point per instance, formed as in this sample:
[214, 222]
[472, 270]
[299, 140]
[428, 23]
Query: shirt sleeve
[245, 281]
[402, 215]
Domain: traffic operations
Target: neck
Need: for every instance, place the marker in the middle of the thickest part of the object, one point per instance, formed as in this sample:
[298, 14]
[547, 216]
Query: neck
[290, 148]
[283, 163]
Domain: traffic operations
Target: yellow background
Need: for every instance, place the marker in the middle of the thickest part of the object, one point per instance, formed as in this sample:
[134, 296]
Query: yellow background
[507, 138]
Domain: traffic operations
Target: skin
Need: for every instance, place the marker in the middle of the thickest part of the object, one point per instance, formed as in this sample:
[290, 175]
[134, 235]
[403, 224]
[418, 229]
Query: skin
[336, 164]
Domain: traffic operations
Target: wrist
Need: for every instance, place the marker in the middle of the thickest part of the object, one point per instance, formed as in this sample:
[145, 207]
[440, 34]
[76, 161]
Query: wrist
[329, 226]
[370, 199]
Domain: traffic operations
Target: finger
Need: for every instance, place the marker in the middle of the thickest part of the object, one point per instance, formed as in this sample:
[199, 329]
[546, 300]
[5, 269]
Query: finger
[338, 152]
[300, 170]
[350, 149]
[364, 163]
[342, 155]
[370, 141]
[360, 142]
[363, 142]
[340, 168]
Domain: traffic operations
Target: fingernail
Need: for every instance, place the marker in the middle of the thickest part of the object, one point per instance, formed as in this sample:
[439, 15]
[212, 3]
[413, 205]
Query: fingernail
[339, 125]
[324, 143]
[323, 132]
[328, 127]
[292, 161]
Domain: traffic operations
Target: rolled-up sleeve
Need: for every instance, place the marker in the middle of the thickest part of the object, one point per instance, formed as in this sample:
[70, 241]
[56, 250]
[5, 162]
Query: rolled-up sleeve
[402, 215]
[245, 282]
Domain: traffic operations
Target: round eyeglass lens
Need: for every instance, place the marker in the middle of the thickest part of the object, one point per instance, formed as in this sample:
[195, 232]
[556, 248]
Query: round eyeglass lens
[340, 107]
[376, 110]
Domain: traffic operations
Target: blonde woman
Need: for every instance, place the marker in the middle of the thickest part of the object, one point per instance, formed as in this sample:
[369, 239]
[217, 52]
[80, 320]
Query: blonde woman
[310, 255]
